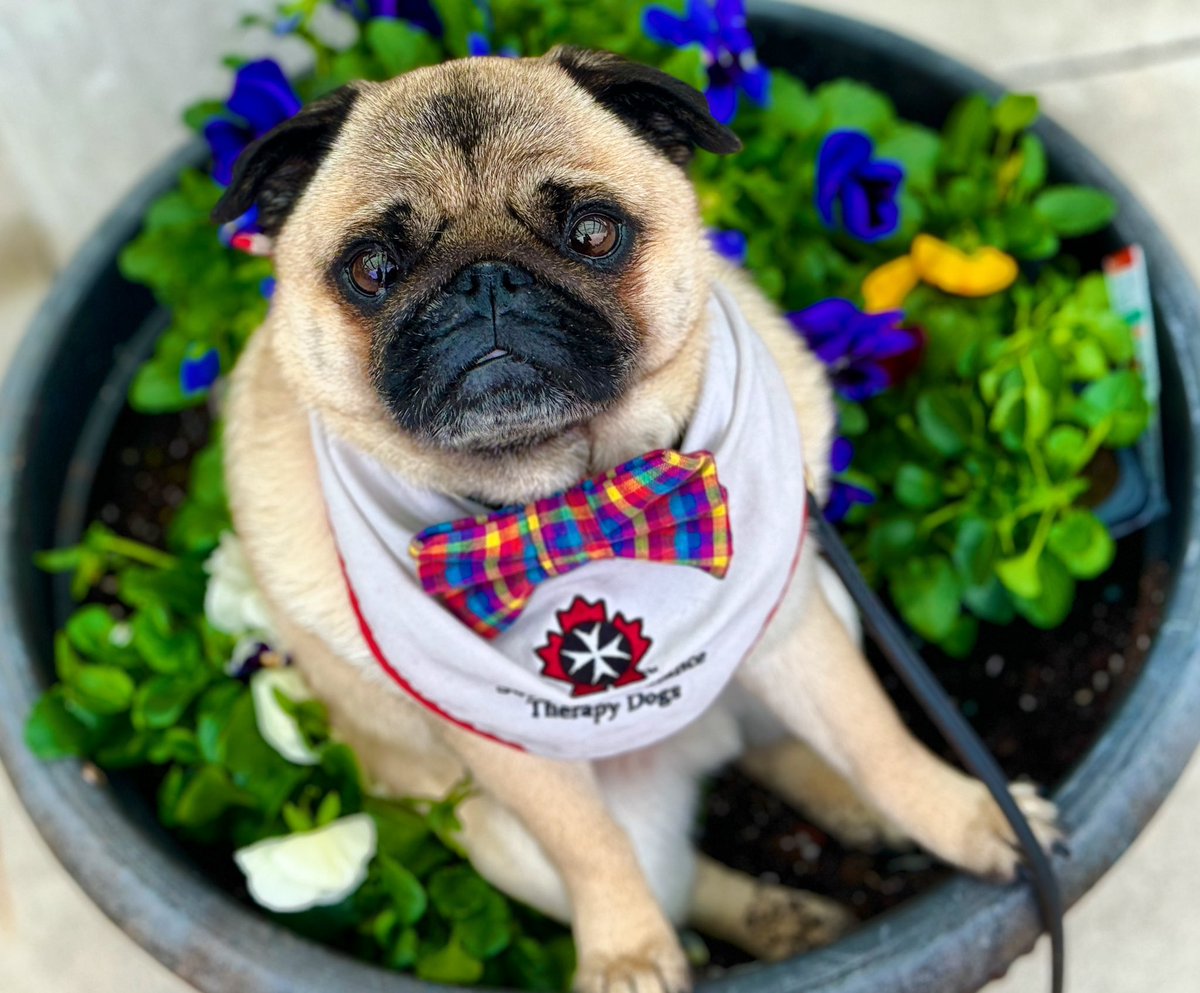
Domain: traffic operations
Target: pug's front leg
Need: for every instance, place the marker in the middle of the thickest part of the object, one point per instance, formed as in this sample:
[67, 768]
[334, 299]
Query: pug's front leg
[820, 685]
[623, 939]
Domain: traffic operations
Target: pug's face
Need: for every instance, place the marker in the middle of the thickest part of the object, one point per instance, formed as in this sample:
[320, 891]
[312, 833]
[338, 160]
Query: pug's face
[490, 251]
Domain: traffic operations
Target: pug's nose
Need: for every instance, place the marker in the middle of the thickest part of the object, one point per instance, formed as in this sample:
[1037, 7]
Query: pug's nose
[497, 282]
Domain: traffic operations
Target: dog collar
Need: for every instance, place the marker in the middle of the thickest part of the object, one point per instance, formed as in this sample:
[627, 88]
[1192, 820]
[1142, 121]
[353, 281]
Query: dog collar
[615, 655]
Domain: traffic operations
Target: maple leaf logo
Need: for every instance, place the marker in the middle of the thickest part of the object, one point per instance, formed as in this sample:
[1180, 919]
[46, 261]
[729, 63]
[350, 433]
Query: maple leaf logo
[591, 652]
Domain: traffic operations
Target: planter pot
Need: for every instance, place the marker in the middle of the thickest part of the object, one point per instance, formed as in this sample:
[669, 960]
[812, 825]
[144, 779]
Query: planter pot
[67, 387]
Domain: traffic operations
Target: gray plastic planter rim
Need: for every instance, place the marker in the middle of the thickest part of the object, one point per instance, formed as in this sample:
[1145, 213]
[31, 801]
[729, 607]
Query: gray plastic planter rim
[949, 941]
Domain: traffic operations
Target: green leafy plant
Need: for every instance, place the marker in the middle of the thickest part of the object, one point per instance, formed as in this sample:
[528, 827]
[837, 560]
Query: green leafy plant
[214, 294]
[979, 461]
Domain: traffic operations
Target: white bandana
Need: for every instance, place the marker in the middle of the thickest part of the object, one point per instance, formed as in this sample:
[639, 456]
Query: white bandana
[617, 654]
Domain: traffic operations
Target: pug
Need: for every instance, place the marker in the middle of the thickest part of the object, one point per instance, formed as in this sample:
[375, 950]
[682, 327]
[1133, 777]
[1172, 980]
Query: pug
[495, 305]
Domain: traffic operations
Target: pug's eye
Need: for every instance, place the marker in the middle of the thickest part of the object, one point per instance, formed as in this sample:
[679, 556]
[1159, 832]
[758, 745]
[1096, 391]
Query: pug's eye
[372, 270]
[595, 236]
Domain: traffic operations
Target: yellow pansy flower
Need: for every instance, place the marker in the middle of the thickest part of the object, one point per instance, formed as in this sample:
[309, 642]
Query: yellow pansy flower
[985, 271]
[886, 287]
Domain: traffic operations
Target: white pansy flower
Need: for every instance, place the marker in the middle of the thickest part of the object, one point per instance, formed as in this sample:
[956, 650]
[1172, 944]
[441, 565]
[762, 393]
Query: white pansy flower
[232, 602]
[310, 869]
[276, 725]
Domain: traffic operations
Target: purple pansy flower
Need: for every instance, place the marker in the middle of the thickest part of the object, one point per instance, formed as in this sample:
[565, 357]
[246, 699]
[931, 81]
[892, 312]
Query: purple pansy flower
[719, 28]
[858, 348]
[419, 13]
[864, 188]
[729, 244]
[227, 141]
[262, 98]
[843, 495]
[199, 372]
[478, 46]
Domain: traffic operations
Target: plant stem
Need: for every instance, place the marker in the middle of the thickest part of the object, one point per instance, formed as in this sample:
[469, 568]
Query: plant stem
[135, 551]
[1042, 533]
[940, 516]
[1094, 440]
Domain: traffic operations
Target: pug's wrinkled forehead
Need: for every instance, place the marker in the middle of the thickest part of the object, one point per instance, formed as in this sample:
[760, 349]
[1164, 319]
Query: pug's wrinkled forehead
[470, 132]
[458, 132]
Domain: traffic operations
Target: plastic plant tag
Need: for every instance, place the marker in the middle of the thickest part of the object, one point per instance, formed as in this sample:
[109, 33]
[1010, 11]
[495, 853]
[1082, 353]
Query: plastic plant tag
[1140, 493]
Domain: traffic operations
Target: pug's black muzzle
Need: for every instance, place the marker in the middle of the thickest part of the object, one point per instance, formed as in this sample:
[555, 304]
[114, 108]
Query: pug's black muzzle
[500, 358]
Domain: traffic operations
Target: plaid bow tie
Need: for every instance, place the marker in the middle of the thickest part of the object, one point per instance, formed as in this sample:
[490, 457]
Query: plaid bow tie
[662, 507]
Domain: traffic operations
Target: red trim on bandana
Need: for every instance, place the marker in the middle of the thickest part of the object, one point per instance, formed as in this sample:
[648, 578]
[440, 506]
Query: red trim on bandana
[783, 594]
[400, 681]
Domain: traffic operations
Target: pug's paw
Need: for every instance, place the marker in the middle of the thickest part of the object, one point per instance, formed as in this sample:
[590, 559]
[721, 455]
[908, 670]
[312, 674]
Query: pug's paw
[782, 922]
[657, 967]
[859, 826]
[991, 848]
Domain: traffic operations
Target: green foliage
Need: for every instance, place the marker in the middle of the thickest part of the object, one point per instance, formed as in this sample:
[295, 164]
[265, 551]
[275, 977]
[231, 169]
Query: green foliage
[1016, 393]
[1074, 210]
[978, 460]
[212, 292]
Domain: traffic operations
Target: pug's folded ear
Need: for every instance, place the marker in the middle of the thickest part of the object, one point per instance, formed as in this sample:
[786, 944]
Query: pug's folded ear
[274, 170]
[669, 114]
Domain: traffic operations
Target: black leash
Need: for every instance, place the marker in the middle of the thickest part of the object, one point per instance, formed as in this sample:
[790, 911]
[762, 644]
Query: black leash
[953, 727]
